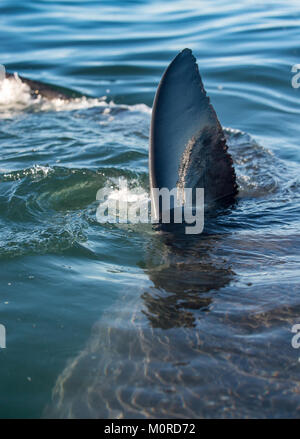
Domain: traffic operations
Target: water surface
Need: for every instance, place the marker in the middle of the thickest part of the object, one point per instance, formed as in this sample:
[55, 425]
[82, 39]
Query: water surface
[194, 328]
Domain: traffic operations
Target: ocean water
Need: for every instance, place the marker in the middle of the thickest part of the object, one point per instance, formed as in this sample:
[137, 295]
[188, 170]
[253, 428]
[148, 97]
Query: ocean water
[107, 320]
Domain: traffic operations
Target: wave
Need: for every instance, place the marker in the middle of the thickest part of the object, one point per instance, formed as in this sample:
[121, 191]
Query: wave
[51, 208]
[16, 96]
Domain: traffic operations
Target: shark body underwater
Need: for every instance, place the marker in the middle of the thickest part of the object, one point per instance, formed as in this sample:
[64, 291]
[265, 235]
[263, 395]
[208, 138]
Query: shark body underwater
[134, 368]
[160, 352]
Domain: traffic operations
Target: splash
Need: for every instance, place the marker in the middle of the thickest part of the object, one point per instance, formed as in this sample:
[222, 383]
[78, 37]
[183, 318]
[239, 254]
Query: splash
[35, 172]
[127, 197]
[13, 93]
[16, 96]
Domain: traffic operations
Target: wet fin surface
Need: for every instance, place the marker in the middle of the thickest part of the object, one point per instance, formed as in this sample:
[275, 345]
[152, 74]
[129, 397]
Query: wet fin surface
[187, 143]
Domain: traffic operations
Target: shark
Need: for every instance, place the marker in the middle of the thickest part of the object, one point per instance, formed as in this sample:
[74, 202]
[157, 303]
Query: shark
[121, 373]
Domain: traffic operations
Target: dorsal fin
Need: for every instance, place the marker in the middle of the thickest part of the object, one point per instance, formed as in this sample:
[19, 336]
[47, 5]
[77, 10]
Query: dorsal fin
[187, 143]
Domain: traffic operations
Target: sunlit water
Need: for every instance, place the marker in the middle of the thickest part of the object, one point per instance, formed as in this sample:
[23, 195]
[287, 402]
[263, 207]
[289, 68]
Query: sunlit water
[116, 320]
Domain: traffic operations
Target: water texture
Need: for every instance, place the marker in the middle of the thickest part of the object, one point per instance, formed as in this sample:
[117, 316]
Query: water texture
[107, 320]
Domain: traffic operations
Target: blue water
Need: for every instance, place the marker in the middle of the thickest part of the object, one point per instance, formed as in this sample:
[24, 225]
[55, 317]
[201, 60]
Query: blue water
[216, 312]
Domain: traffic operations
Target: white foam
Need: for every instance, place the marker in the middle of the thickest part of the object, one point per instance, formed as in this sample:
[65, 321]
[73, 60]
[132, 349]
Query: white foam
[15, 97]
[14, 94]
[2, 72]
[142, 108]
[36, 171]
[71, 104]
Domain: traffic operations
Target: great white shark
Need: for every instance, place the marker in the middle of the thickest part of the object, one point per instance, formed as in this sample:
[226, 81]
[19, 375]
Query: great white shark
[135, 363]
[191, 337]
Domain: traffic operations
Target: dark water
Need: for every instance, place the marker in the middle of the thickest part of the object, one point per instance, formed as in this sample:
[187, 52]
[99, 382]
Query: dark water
[194, 328]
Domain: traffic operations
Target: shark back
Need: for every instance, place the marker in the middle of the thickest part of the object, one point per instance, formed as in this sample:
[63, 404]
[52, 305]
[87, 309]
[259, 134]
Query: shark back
[47, 91]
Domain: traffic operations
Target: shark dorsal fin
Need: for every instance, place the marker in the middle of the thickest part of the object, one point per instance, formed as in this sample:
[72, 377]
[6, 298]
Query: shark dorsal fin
[187, 143]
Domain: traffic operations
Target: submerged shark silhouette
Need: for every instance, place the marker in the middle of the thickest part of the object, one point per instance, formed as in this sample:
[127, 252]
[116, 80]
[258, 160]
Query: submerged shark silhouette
[150, 356]
[121, 371]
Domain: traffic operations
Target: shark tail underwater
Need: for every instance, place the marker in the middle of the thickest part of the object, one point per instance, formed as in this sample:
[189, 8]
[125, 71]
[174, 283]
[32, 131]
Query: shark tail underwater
[131, 368]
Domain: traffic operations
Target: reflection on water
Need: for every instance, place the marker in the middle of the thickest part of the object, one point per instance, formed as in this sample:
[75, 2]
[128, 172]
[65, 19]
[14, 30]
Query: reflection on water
[210, 335]
[183, 349]
[183, 280]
